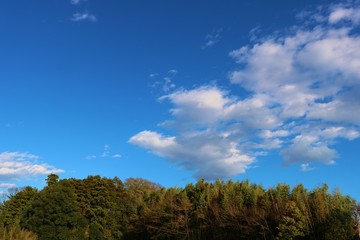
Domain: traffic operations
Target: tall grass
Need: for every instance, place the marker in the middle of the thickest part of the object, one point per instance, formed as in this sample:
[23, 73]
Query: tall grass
[16, 233]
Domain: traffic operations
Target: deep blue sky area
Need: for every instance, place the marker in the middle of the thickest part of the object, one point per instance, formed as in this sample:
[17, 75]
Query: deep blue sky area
[174, 91]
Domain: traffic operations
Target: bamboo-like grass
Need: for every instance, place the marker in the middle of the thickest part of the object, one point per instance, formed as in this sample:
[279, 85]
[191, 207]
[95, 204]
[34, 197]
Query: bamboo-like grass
[15, 233]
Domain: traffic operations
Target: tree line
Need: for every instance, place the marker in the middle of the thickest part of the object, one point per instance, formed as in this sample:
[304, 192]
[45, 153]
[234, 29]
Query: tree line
[97, 208]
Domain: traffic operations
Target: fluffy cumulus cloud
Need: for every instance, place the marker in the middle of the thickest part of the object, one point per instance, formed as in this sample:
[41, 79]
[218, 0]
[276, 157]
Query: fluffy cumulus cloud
[344, 13]
[304, 95]
[312, 76]
[208, 153]
[15, 165]
[206, 141]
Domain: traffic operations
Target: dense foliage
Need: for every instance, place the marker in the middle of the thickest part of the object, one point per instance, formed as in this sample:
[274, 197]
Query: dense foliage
[101, 208]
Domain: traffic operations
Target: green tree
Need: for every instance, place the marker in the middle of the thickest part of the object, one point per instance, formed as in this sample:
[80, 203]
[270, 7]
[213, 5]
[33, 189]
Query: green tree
[98, 208]
[169, 217]
[138, 196]
[52, 179]
[293, 223]
[53, 214]
[12, 210]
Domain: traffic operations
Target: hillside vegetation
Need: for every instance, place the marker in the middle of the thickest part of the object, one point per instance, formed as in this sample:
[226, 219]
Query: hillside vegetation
[102, 208]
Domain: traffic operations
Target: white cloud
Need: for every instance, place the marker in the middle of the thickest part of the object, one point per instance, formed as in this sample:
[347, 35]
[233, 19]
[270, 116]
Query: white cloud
[7, 185]
[336, 131]
[306, 149]
[306, 167]
[342, 13]
[304, 95]
[84, 16]
[77, 2]
[337, 111]
[272, 134]
[15, 165]
[210, 155]
[89, 157]
[106, 153]
[254, 113]
[152, 75]
[201, 106]
[209, 126]
[166, 84]
[212, 38]
[312, 76]
[172, 72]
[153, 140]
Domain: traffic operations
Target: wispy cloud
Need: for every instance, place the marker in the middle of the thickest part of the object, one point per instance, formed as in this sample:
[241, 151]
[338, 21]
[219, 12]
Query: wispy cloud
[165, 82]
[105, 154]
[172, 72]
[106, 151]
[83, 16]
[305, 167]
[152, 75]
[16, 165]
[89, 157]
[7, 185]
[304, 87]
[212, 38]
[77, 2]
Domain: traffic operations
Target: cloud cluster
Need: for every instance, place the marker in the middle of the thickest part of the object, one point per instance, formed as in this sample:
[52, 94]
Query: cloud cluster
[105, 154]
[165, 83]
[15, 165]
[206, 142]
[303, 96]
[83, 15]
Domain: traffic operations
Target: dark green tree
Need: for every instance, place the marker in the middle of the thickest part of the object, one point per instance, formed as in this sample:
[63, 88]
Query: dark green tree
[52, 179]
[12, 210]
[54, 215]
[101, 208]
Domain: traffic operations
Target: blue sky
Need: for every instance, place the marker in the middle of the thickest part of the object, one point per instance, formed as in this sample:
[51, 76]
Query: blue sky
[173, 91]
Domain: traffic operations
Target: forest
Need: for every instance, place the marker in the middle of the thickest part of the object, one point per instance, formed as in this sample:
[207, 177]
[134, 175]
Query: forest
[99, 208]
